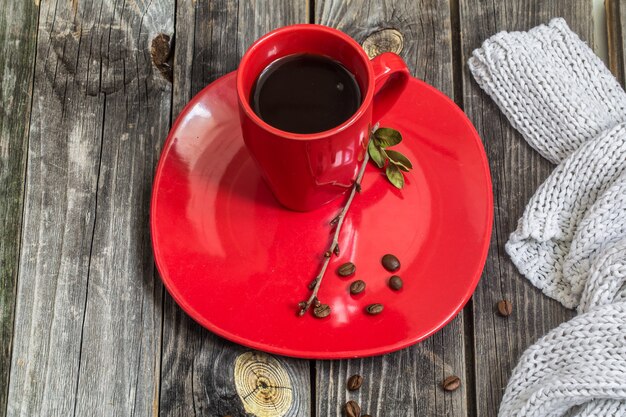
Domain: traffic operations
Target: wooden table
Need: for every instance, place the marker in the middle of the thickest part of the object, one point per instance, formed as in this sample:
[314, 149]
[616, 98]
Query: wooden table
[86, 327]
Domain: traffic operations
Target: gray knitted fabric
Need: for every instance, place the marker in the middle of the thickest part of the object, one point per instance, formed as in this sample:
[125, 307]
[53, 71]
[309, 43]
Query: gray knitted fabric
[571, 240]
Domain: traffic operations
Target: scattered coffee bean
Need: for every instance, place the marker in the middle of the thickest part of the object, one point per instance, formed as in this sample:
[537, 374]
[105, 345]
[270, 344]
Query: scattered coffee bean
[352, 409]
[347, 269]
[505, 308]
[357, 287]
[395, 283]
[374, 309]
[390, 263]
[354, 382]
[451, 383]
[321, 311]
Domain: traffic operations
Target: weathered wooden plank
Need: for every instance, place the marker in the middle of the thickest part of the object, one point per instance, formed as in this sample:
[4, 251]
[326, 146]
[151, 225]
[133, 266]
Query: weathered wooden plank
[615, 22]
[121, 341]
[517, 171]
[406, 383]
[88, 317]
[18, 37]
[200, 371]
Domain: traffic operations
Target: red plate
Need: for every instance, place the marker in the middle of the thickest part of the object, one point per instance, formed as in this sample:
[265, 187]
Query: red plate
[238, 262]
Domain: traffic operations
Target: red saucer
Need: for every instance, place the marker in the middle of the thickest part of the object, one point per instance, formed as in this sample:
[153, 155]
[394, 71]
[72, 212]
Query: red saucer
[238, 262]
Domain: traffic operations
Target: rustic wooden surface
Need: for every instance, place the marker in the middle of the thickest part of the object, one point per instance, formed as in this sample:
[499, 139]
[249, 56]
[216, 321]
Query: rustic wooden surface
[88, 314]
[89, 91]
[517, 171]
[18, 34]
[198, 367]
[616, 28]
[404, 383]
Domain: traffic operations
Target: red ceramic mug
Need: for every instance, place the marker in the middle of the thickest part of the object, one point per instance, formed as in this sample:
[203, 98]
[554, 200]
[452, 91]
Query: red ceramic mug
[305, 171]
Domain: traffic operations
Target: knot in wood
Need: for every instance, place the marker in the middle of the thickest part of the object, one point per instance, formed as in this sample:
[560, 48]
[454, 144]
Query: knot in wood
[385, 40]
[263, 385]
[161, 51]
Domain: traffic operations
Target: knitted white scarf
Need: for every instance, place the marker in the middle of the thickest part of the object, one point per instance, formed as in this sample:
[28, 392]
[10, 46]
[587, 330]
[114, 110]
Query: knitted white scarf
[571, 240]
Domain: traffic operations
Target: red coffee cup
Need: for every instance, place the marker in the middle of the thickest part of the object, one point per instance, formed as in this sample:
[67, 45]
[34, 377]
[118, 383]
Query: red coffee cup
[305, 171]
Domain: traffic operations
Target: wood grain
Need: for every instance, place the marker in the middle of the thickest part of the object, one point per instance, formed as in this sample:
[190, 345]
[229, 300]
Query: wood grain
[264, 385]
[197, 366]
[517, 171]
[18, 36]
[88, 318]
[405, 383]
[616, 20]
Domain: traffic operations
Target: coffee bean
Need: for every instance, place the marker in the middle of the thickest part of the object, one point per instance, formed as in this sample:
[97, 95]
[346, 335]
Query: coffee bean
[505, 308]
[352, 409]
[374, 309]
[321, 311]
[357, 287]
[395, 283]
[354, 382]
[347, 269]
[390, 263]
[451, 383]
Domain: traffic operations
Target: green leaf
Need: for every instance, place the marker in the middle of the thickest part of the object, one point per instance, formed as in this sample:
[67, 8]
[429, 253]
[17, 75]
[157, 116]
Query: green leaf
[387, 137]
[395, 176]
[400, 160]
[376, 154]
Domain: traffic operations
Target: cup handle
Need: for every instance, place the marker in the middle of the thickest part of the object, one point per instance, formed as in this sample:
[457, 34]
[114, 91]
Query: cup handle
[390, 76]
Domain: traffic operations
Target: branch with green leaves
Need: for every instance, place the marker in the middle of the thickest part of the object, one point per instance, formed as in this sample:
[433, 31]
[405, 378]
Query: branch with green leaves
[379, 141]
[396, 163]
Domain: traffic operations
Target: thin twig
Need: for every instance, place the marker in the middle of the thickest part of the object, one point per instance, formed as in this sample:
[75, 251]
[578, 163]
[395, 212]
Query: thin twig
[334, 245]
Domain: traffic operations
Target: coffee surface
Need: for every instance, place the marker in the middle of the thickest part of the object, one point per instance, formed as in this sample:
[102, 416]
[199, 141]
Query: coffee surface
[305, 93]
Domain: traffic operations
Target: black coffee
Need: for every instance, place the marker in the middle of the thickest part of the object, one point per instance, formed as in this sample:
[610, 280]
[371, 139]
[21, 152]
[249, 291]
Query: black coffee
[305, 93]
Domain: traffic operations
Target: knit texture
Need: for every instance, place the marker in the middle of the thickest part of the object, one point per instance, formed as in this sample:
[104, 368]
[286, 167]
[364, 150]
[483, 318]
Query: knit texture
[571, 240]
[553, 89]
[573, 215]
